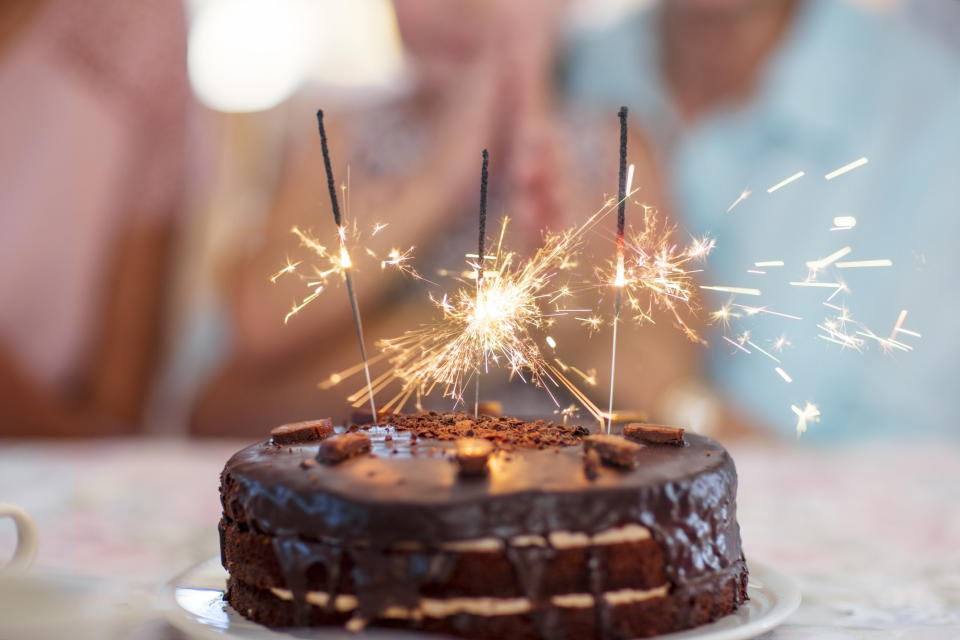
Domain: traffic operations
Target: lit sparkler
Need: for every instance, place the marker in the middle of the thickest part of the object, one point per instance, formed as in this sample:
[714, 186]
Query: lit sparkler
[345, 262]
[619, 279]
[494, 323]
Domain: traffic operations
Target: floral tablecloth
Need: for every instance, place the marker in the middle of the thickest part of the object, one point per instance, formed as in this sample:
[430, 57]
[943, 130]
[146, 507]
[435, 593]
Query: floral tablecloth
[871, 531]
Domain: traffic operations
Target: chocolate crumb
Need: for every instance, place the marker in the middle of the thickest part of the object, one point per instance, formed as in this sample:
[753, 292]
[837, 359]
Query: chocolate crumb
[309, 462]
[338, 448]
[708, 453]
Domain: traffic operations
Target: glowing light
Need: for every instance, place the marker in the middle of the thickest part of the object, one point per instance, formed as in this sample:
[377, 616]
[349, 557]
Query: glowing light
[289, 268]
[251, 55]
[843, 223]
[550, 341]
[747, 291]
[817, 265]
[786, 181]
[737, 345]
[809, 413]
[769, 263]
[743, 196]
[859, 162]
[327, 264]
[858, 264]
[752, 311]
[490, 325]
[783, 374]
[655, 274]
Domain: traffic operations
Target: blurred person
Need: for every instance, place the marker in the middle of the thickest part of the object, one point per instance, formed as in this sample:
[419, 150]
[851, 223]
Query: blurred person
[736, 96]
[93, 123]
[482, 78]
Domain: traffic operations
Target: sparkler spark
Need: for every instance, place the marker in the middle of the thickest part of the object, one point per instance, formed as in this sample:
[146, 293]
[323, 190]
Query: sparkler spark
[495, 323]
[786, 181]
[857, 264]
[657, 274]
[843, 223]
[817, 265]
[747, 291]
[809, 413]
[743, 196]
[859, 162]
[328, 264]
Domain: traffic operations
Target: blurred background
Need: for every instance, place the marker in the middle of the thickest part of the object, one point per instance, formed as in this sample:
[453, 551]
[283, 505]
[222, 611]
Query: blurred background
[155, 156]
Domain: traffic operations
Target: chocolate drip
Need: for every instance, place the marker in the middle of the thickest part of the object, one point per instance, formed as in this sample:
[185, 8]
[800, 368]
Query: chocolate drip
[529, 566]
[295, 557]
[601, 611]
[382, 581]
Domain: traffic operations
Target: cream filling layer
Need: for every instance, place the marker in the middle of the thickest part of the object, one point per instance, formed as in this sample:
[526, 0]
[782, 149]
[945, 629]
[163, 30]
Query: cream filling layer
[557, 539]
[479, 606]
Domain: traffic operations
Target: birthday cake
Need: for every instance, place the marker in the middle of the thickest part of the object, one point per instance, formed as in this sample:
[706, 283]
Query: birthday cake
[488, 528]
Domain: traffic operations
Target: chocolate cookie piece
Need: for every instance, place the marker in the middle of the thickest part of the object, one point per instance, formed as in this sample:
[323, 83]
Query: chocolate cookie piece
[472, 456]
[297, 432]
[614, 451]
[338, 448]
[657, 433]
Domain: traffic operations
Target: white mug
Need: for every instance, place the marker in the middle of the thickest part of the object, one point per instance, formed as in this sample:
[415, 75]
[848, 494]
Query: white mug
[26, 538]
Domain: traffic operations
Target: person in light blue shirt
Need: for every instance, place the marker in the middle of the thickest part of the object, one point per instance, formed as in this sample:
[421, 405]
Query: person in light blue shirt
[736, 97]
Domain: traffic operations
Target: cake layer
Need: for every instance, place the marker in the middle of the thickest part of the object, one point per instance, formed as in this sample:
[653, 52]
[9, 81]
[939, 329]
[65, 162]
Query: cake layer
[625, 613]
[624, 558]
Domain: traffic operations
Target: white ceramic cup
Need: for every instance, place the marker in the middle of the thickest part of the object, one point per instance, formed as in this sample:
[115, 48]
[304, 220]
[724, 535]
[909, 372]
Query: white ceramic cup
[26, 549]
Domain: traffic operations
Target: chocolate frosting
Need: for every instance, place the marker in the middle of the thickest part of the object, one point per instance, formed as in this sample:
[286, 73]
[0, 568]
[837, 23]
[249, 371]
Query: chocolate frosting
[407, 490]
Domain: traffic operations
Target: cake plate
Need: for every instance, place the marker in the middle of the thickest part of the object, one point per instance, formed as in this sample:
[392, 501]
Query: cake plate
[194, 604]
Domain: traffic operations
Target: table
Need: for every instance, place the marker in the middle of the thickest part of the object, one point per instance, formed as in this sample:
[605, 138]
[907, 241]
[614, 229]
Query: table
[871, 531]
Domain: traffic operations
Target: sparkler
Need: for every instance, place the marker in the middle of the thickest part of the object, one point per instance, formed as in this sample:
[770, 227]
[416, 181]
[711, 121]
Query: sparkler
[345, 262]
[480, 263]
[619, 279]
[495, 322]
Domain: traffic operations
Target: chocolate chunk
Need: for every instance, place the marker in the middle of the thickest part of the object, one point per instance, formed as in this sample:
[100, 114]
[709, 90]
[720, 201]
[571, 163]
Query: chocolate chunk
[490, 408]
[591, 464]
[297, 432]
[309, 462]
[658, 433]
[472, 456]
[614, 451]
[338, 448]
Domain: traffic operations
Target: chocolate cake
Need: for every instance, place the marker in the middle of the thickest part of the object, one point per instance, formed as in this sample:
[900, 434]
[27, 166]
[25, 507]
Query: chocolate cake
[489, 528]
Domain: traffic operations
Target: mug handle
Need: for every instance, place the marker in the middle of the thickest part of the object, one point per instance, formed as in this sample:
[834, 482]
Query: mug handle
[26, 549]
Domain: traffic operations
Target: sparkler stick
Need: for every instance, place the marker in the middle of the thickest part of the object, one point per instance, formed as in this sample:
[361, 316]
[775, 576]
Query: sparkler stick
[480, 266]
[619, 281]
[345, 260]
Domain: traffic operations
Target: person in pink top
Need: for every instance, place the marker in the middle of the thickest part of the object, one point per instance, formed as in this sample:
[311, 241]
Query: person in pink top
[93, 130]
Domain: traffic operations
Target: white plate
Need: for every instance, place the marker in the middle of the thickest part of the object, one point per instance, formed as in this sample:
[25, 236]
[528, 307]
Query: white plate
[196, 607]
